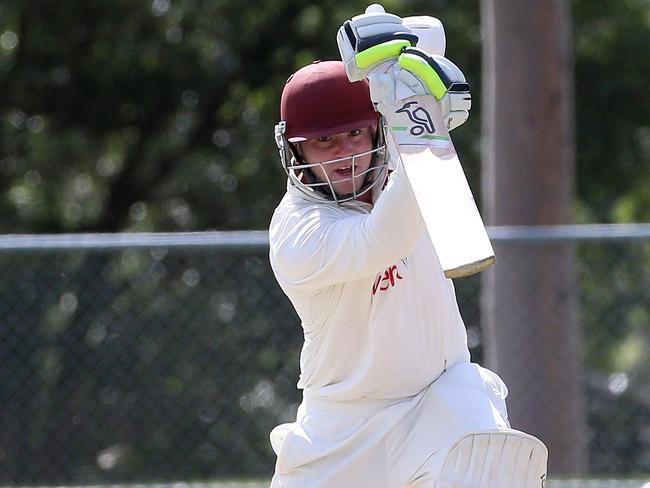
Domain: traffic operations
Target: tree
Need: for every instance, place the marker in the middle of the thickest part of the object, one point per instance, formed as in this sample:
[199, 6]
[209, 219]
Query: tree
[157, 115]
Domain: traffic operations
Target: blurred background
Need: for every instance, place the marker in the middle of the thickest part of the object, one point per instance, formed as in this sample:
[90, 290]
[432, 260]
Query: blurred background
[145, 360]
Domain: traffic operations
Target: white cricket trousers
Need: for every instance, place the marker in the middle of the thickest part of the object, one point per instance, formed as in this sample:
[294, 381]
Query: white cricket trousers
[387, 443]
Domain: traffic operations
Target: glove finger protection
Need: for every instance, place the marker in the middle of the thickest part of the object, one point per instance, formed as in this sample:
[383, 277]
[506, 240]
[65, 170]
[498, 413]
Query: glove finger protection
[368, 40]
[430, 33]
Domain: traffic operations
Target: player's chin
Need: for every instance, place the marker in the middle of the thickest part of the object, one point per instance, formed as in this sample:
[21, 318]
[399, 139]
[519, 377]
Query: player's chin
[347, 190]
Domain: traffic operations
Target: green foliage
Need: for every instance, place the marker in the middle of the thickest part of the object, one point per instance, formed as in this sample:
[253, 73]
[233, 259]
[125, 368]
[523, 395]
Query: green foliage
[158, 115]
[142, 365]
[612, 51]
[137, 115]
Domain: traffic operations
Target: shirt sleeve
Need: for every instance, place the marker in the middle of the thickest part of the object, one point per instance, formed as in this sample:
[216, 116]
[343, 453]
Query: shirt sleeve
[322, 245]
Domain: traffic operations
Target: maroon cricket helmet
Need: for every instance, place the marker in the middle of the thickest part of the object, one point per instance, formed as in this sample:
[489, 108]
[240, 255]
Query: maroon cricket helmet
[319, 100]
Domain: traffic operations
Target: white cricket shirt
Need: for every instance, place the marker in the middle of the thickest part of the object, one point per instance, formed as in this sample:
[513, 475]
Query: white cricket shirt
[380, 320]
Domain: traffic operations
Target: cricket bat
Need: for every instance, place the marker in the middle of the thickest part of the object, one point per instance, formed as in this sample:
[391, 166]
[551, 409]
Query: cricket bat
[416, 132]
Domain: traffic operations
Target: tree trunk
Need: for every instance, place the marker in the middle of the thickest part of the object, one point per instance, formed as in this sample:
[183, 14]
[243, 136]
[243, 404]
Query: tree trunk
[529, 302]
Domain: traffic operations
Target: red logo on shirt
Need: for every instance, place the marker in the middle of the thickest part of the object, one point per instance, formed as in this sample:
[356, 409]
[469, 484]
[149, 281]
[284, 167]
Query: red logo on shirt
[386, 280]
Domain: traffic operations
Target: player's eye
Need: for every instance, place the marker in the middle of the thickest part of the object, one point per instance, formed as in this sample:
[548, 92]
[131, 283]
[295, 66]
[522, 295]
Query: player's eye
[324, 139]
[355, 132]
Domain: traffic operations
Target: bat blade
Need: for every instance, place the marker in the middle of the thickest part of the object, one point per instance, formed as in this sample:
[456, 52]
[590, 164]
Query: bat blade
[441, 189]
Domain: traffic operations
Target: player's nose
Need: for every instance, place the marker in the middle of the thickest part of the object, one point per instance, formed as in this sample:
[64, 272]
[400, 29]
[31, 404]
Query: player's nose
[343, 147]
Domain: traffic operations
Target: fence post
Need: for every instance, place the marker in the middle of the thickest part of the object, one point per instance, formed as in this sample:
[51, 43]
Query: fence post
[529, 298]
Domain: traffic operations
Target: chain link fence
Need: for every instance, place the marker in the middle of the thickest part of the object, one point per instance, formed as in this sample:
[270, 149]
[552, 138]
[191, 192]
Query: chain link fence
[133, 358]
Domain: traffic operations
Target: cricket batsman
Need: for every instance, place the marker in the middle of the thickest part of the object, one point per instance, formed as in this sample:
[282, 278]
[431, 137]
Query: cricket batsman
[391, 398]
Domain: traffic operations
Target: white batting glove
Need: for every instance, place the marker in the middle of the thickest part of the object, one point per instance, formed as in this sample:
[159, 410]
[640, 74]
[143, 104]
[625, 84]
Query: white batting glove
[371, 39]
[419, 73]
[425, 73]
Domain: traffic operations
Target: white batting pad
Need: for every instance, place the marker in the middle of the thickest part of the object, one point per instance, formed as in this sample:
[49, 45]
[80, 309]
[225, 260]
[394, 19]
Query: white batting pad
[495, 459]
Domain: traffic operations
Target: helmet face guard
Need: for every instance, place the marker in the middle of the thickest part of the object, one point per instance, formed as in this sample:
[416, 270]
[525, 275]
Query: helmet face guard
[301, 174]
[318, 100]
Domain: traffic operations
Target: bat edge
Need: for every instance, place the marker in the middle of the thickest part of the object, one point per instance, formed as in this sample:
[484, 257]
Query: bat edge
[470, 268]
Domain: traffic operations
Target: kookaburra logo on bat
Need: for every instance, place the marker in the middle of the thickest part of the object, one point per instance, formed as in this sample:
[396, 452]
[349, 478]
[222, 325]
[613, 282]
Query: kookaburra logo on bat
[418, 116]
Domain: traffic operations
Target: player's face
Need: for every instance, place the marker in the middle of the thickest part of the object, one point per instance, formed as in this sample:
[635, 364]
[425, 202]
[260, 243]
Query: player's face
[339, 149]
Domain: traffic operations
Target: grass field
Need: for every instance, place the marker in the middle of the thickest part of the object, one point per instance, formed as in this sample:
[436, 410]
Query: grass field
[600, 483]
[641, 483]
